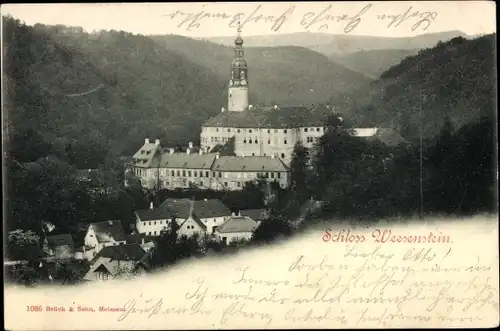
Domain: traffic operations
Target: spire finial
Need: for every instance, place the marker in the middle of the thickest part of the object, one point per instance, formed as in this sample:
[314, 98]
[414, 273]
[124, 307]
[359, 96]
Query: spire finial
[239, 27]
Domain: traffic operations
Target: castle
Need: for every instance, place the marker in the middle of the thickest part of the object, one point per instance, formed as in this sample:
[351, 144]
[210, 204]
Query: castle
[240, 144]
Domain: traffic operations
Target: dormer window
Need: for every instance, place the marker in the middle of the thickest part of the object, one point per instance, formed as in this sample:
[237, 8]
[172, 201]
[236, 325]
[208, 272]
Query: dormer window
[250, 130]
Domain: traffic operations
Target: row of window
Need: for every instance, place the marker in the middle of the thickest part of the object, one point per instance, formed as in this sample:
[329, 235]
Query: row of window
[206, 174]
[285, 131]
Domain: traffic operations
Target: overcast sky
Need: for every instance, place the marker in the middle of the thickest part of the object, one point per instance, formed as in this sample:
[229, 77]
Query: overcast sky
[471, 17]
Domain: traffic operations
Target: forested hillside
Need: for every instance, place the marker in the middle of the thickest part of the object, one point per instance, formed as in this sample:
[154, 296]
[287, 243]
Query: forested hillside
[286, 75]
[373, 62]
[454, 80]
[107, 88]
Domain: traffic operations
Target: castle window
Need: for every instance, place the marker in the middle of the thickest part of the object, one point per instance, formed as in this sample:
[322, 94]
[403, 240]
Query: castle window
[189, 173]
[228, 130]
[195, 173]
[201, 183]
[206, 174]
[284, 131]
[278, 174]
[253, 154]
[183, 173]
[225, 184]
[213, 174]
[256, 141]
[244, 141]
[268, 131]
[250, 130]
[317, 129]
[269, 141]
[284, 141]
[282, 155]
[239, 130]
[178, 172]
[217, 130]
[220, 174]
[239, 184]
[272, 174]
[249, 141]
[275, 131]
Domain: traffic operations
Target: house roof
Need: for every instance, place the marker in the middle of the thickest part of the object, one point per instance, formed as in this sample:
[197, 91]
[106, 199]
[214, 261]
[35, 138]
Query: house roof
[183, 208]
[389, 137]
[153, 214]
[145, 155]
[255, 214]
[125, 252]
[197, 220]
[108, 231]
[249, 163]
[269, 117]
[185, 161]
[238, 224]
[60, 240]
[210, 208]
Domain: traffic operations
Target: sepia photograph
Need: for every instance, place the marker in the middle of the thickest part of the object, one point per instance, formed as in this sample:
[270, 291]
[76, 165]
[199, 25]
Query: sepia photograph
[250, 165]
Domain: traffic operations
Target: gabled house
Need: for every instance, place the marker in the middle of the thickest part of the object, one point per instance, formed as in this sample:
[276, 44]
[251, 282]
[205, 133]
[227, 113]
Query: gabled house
[236, 227]
[59, 246]
[102, 234]
[205, 215]
[114, 262]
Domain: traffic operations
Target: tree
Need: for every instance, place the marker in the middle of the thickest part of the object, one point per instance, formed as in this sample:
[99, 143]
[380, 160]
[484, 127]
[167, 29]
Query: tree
[23, 245]
[165, 252]
[271, 229]
[298, 168]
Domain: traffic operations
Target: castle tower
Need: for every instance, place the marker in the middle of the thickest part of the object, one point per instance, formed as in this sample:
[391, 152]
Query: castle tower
[238, 83]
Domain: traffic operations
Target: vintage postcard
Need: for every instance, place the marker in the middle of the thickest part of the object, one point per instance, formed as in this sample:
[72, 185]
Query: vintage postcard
[315, 165]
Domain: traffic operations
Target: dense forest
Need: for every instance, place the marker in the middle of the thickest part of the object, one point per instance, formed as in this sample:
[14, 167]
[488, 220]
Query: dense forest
[286, 75]
[455, 80]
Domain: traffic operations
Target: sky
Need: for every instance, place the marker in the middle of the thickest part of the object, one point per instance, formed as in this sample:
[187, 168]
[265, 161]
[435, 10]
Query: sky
[388, 19]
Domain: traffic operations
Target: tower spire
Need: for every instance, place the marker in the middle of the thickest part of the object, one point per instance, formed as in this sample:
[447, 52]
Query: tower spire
[238, 83]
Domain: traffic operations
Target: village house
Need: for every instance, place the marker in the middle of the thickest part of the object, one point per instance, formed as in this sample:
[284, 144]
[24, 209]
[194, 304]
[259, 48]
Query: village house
[102, 234]
[236, 227]
[191, 216]
[114, 262]
[59, 246]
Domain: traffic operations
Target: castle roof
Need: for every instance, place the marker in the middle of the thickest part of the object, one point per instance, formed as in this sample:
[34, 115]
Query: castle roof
[145, 155]
[249, 163]
[271, 117]
[185, 161]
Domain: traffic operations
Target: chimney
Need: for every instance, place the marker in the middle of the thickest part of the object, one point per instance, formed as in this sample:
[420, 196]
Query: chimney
[110, 222]
[205, 199]
[171, 151]
[341, 118]
[157, 142]
[188, 151]
[233, 214]
[217, 156]
[190, 144]
[151, 206]
[222, 109]
[275, 106]
[146, 141]
[142, 240]
[250, 106]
